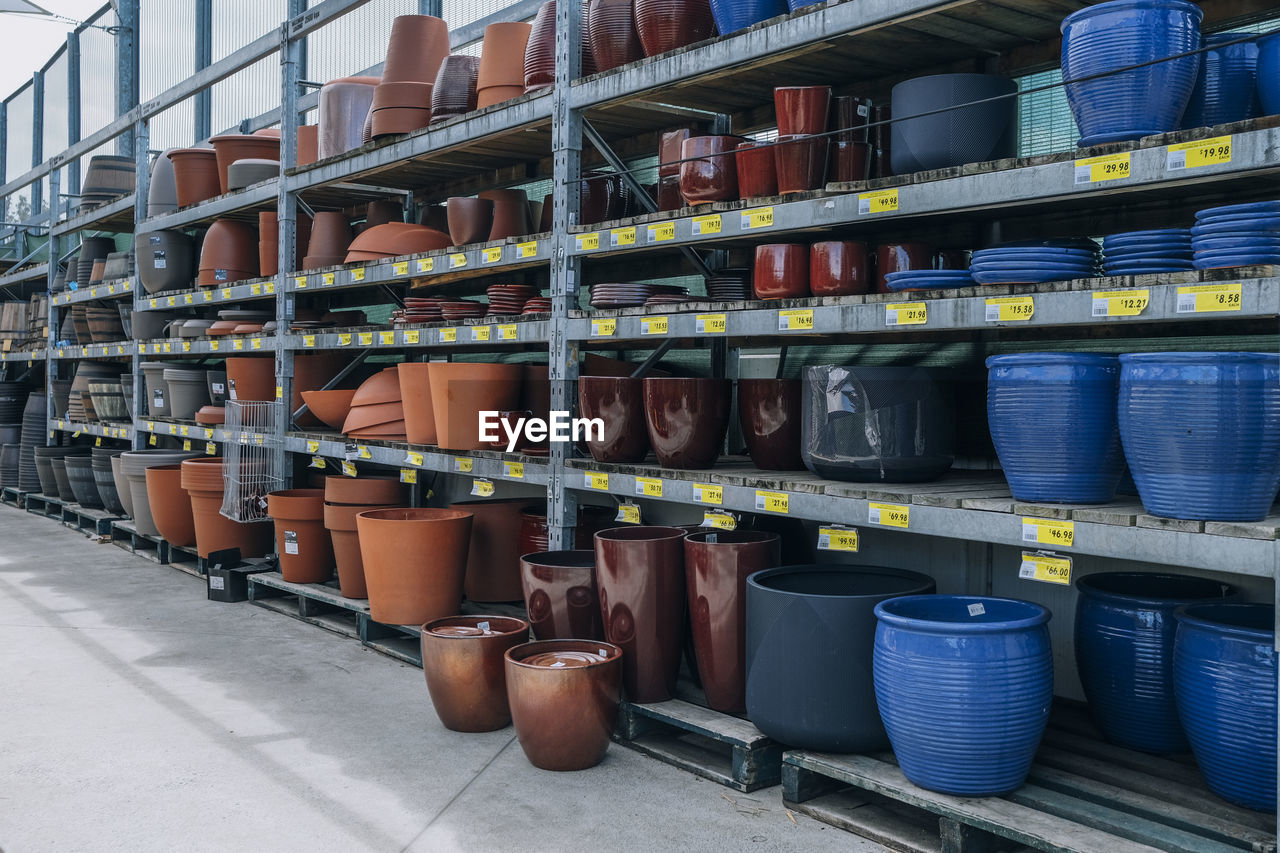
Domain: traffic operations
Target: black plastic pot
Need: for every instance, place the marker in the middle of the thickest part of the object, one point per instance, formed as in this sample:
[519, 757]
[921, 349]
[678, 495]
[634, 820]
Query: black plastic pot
[958, 134]
[810, 634]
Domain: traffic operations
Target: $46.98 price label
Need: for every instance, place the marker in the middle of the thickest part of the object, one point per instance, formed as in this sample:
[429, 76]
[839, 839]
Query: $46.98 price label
[1045, 531]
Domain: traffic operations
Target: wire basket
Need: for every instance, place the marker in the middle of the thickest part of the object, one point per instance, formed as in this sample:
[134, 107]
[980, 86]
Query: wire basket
[254, 459]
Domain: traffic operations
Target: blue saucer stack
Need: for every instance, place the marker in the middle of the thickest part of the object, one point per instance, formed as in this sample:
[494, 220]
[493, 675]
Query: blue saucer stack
[1238, 235]
[928, 279]
[1034, 261]
[1141, 252]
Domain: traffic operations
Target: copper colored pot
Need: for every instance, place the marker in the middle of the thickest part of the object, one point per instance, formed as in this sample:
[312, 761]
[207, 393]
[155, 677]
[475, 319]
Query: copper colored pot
[560, 594]
[564, 715]
[801, 109]
[770, 412]
[610, 28]
[461, 390]
[493, 560]
[838, 268]
[713, 175]
[414, 562]
[463, 659]
[757, 172]
[640, 575]
[665, 25]
[470, 219]
[781, 271]
[686, 419]
[801, 162]
[896, 257]
[717, 563]
[619, 403]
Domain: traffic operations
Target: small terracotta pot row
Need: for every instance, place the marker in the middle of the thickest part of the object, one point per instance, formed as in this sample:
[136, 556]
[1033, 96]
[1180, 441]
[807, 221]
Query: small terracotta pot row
[840, 268]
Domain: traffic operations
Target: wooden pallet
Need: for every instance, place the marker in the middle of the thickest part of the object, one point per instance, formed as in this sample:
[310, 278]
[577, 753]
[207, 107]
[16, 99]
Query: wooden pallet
[125, 535]
[1083, 796]
[91, 522]
[720, 747]
[49, 507]
[319, 604]
[184, 559]
[14, 497]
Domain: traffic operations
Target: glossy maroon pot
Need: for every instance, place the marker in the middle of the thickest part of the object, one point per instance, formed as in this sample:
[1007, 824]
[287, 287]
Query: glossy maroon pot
[560, 594]
[770, 412]
[687, 419]
[640, 576]
[716, 565]
[564, 701]
[850, 115]
[896, 257]
[838, 268]
[535, 538]
[610, 28]
[757, 171]
[952, 259]
[619, 403]
[665, 25]
[801, 109]
[713, 174]
[669, 152]
[801, 163]
[849, 161]
[781, 271]
[464, 661]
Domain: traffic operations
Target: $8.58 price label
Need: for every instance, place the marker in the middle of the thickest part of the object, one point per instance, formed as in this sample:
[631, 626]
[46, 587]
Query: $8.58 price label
[1209, 298]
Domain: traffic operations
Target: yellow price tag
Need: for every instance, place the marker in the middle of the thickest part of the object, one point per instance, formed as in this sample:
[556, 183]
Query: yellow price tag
[1109, 167]
[906, 314]
[269, 287]
[628, 514]
[411, 336]
[457, 260]
[186, 444]
[463, 465]
[779, 502]
[153, 303]
[308, 340]
[348, 468]
[210, 448]
[313, 447]
[151, 439]
[603, 327]
[357, 274]
[1004, 309]
[214, 345]
[1209, 298]
[661, 232]
[622, 237]
[1120, 303]
[413, 457]
[837, 539]
[300, 282]
[255, 343]
[366, 339]
[880, 201]
[480, 333]
[316, 462]
[796, 321]
[207, 295]
[387, 338]
[1193, 155]
[491, 255]
[705, 493]
[256, 288]
[587, 242]
[1045, 567]
[226, 293]
[648, 487]
[719, 520]
[889, 515]
[513, 470]
[760, 217]
[186, 346]
[400, 268]
[326, 279]
[448, 336]
[653, 325]
[596, 480]
[363, 452]
[344, 339]
[408, 475]
[172, 300]
[482, 488]
[508, 332]
[1045, 531]
[426, 264]
[711, 324]
[97, 442]
[703, 225]
[188, 298]
[183, 429]
[237, 344]
[527, 250]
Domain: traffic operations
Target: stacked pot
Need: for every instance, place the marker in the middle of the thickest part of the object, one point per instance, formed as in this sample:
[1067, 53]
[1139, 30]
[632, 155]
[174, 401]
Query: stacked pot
[202, 478]
[402, 99]
[344, 499]
[302, 543]
[376, 408]
[330, 239]
[800, 152]
[134, 465]
[500, 76]
[232, 148]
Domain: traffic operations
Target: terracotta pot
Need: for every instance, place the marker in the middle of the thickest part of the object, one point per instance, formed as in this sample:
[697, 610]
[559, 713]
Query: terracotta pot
[302, 542]
[610, 27]
[383, 211]
[415, 49]
[619, 403]
[415, 395]
[801, 109]
[510, 213]
[717, 563]
[801, 163]
[397, 120]
[490, 95]
[470, 220]
[714, 175]
[686, 419]
[238, 146]
[381, 387]
[560, 594]
[535, 537]
[251, 378]
[664, 25]
[463, 659]
[344, 106]
[493, 561]
[170, 506]
[308, 144]
[202, 480]
[502, 55]
[461, 390]
[896, 257]
[229, 253]
[454, 92]
[268, 243]
[640, 575]
[340, 521]
[564, 701]
[757, 174]
[770, 413]
[375, 419]
[414, 562]
[392, 239]
[781, 271]
[364, 490]
[312, 371]
[330, 234]
[195, 175]
[849, 162]
[838, 268]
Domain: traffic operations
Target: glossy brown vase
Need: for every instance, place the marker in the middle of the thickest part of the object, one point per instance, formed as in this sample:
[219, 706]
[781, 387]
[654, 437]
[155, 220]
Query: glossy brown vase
[415, 49]
[619, 403]
[535, 538]
[470, 219]
[414, 562]
[801, 163]
[303, 544]
[801, 109]
[838, 268]
[757, 172]
[229, 253]
[493, 560]
[561, 596]
[686, 420]
[464, 661]
[716, 564]
[781, 271]
[170, 505]
[564, 715]
[770, 412]
[231, 147]
[611, 29]
[195, 175]
[896, 257]
[712, 173]
[640, 577]
[665, 25]
[849, 162]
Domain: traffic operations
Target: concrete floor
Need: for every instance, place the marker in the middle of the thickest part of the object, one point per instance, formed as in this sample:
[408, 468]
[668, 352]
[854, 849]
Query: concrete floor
[139, 716]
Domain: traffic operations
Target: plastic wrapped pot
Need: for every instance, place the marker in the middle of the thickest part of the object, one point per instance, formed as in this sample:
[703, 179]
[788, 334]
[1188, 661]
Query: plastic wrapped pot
[964, 132]
[809, 635]
[964, 685]
[464, 661]
[344, 106]
[876, 424]
[1124, 635]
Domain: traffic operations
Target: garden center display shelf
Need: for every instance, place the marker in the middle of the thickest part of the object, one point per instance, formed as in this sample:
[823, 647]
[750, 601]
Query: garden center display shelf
[28, 356]
[197, 433]
[100, 430]
[245, 204]
[116, 215]
[475, 336]
[477, 464]
[116, 289]
[242, 291]
[28, 275]
[96, 350]
[226, 345]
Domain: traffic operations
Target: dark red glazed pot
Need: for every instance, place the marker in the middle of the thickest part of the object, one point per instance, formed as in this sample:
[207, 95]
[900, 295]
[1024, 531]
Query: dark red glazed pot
[770, 411]
[619, 403]
[665, 25]
[952, 259]
[564, 715]
[716, 565]
[850, 115]
[896, 257]
[801, 163]
[640, 575]
[611, 30]
[560, 594]
[781, 271]
[535, 538]
[838, 268]
[712, 175]
[850, 161]
[801, 109]
[463, 659]
[687, 419]
[757, 172]
[670, 150]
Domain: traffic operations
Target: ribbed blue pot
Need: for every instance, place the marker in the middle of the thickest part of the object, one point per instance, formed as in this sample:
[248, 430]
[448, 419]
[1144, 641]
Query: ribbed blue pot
[1226, 88]
[964, 686]
[1124, 652]
[1053, 422]
[1201, 432]
[1141, 101]
[793, 5]
[1269, 74]
[1224, 674]
[734, 15]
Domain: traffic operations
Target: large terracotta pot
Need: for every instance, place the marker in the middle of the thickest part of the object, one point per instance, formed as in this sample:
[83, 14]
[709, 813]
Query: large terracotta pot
[302, 543]
[686, 419]
[493, 560]
[415, 396]
[470, 219]
[340, 520]
[251, 378]
[619, 403]
[781, 271]
[195, 175]
[461, 390]
[463, 659]
[415, 49]
[716, 564]
[203, 480]
[664, 25]
[770, 411]
[229, 253]
[237, 146]
[170, 506]
[610, 28]
[709, 171]
[414, 562]
[640, 575]
[838, 268]
[502, 56]
[364, 490]
[330, 235]
[564, 701]
[560, 594]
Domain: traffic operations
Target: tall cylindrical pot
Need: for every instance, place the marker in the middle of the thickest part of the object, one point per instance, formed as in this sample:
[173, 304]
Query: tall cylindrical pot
[414, 562]
[302, 543]
[561, 596]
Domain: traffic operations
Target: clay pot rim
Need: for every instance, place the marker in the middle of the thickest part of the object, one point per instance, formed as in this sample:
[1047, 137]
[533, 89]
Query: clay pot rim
[732, 537]
[577, 558]
[761, 578]
[642, 533]
[516, 656]
[513, 627]
[415, 514]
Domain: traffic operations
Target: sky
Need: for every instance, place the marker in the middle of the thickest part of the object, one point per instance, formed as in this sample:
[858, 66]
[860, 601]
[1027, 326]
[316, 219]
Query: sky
[30, 40]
